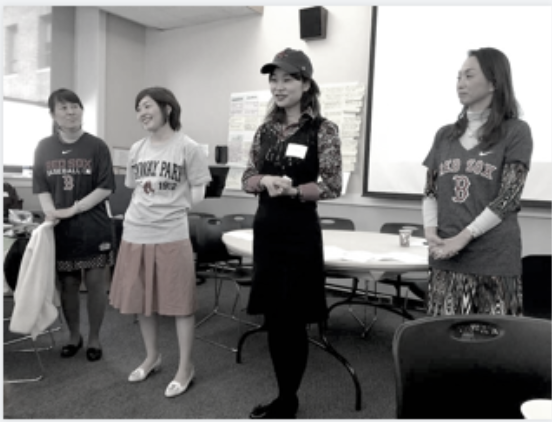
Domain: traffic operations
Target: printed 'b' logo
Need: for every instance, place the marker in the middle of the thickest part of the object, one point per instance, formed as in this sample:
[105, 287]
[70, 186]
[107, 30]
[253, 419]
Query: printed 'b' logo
[461, 188]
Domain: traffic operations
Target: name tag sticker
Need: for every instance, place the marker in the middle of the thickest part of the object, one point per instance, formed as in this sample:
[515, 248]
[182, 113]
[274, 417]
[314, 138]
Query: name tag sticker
[296, 150]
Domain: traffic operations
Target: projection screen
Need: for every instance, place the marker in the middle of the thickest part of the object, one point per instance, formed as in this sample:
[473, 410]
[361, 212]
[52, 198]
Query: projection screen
[417, 53]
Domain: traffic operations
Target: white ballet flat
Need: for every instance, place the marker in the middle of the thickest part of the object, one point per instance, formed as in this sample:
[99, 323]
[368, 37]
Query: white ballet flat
[175, 388]
[139, 374]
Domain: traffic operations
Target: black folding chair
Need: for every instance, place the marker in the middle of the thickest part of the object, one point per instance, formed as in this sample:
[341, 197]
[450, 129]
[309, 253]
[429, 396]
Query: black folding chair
[13, 256]
[413, 282]
[471, 366]
[537, 279]
[334, 223]
[193, 221]
[222, 267]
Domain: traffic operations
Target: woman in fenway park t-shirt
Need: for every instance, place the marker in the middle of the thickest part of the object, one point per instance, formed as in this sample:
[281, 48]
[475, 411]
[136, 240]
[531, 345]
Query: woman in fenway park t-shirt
[155, 272]
[73, 176]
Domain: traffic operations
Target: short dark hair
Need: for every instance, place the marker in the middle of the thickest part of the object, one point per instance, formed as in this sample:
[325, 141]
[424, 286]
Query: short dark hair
[163, 97]
[504, 106]
[63, 95]
[308, 99]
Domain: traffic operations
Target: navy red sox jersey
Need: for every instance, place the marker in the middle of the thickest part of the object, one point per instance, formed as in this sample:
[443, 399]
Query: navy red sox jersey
[467, 182]
[70, 172]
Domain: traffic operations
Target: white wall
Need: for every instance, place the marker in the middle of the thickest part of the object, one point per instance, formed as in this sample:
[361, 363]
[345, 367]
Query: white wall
[125, 58]
[90, 44]
[63, 47]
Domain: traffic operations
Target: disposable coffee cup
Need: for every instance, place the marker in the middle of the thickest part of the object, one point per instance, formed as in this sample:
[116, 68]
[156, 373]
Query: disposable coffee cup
[404, 237]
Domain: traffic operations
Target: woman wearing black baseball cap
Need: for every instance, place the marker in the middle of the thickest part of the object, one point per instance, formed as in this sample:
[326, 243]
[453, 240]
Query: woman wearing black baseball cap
[295, 161]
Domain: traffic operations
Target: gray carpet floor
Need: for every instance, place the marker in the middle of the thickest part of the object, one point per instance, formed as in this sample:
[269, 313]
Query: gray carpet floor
[75, 388]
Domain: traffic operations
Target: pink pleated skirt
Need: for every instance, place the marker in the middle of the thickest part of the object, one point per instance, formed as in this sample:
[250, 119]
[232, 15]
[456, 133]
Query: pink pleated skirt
[154, 278]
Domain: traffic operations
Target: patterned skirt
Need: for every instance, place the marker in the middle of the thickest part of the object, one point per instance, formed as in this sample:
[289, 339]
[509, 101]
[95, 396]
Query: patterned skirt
[96, 261]
[452, 293]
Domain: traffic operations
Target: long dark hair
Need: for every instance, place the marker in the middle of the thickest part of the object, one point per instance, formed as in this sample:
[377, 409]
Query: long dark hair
[163, 97]
[496, 68]
[308, 99]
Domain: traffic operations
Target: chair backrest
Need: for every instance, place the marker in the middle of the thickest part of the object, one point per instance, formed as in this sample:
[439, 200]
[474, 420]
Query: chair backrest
[245, 221]
[537, 280]
[471, 366]
[12, 259]
[334, 223]
[11, 200]
[193, 221]
[120, 199]
[210, 247]
[393, 228]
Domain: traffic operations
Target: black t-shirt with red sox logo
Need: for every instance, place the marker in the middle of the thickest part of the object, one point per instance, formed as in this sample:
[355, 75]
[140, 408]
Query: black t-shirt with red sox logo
[70, 172]
[468, 181]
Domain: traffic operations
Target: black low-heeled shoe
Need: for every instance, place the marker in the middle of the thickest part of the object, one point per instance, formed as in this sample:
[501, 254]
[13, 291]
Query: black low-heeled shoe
[71, 350]
[275, 410]
[93, 354]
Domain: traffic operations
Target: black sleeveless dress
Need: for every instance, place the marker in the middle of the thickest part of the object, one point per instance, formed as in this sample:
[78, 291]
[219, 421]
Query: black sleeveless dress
[288, 261]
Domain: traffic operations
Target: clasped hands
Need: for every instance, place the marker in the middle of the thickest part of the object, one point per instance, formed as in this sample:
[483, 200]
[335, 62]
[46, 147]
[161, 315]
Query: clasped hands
[60, 214]
[278, 186]
[440, 248]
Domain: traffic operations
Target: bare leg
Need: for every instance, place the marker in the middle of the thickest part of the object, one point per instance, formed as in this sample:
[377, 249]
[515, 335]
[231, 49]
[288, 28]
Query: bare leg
[185, 329]
[70, 302]
[148, 326]
[96, 281]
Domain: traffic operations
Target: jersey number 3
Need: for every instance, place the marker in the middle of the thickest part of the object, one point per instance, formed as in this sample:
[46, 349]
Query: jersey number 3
[461, 188]
[68, 182]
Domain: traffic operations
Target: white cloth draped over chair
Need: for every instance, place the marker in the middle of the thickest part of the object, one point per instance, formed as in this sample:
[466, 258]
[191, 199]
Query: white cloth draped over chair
[36, 298]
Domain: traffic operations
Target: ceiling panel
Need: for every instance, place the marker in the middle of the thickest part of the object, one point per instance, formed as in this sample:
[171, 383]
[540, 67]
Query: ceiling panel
[171, 17]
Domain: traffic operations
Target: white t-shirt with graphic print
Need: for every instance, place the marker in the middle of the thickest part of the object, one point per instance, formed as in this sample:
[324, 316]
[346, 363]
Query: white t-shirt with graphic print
[170, 168]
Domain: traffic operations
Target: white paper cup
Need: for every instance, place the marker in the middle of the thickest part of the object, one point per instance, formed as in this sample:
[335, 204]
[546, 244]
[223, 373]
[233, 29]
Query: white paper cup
[404, 237]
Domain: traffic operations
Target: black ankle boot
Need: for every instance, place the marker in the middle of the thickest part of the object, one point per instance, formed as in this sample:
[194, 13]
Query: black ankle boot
[277, 409]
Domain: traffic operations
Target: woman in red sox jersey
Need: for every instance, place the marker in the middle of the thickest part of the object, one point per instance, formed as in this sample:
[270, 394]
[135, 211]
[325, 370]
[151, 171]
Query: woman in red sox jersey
[73, 175]
[476, 172]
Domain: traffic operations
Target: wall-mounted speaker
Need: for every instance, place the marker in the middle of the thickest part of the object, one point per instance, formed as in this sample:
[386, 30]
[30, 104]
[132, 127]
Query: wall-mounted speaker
[221, 154]
[313, 23]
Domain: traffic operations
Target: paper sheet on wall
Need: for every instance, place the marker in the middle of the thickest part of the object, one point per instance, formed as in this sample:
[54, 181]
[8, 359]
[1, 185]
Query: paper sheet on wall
[119, 157]
[205, 148]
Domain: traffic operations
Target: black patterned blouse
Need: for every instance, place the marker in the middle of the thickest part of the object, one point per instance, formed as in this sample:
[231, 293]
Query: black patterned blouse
[328, 185]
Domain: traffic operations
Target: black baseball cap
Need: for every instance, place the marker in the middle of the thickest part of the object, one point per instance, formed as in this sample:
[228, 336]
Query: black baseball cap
[290, 61]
